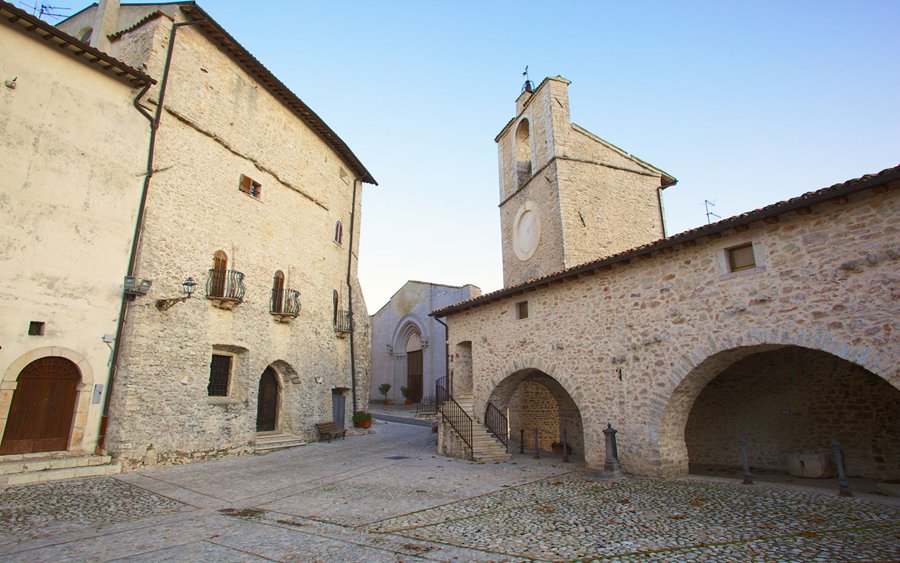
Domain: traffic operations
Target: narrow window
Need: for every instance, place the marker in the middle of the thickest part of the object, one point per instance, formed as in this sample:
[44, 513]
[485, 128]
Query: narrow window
[218, 274]
[741, 257]
[522, 310]
[523, 152]
[36, 328]
[338, 233]
[250, 186]
[344, 176]
[278, 292]
[219, 374]
[337, 300]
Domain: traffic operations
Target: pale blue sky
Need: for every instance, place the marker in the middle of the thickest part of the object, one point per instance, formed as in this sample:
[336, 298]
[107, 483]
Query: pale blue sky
[746, 103]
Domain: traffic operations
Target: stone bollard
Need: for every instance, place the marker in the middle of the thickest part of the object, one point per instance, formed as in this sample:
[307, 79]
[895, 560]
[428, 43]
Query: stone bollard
[745, 465]
[843, 482]
[565, 445]
[537, 453]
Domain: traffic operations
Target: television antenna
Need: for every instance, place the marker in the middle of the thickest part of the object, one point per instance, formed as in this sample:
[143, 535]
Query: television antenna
[710, 214]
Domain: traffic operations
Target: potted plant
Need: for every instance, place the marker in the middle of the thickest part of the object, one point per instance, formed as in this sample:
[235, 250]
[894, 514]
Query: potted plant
[406, 392]
[383, 389]
[362, 419]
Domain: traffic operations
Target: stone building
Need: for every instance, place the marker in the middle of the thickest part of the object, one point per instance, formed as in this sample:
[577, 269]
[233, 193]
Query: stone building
[778, 325]
[403, 336]
[256, 201]
[69, 198]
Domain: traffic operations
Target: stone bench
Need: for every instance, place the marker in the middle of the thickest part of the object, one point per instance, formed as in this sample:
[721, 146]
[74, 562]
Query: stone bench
[330, 430]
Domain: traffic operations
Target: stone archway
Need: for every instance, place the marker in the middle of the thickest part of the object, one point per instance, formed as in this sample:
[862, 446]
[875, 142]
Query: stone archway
[785, 399]
[267, 401]
[535, 401]
[408, 350]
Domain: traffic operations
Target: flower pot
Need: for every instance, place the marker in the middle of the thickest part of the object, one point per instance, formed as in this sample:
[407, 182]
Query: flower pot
[407, 402]
[365, 424]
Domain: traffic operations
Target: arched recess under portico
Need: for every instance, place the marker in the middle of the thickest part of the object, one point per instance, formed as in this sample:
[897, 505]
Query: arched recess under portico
[533, 400]
[791, 403]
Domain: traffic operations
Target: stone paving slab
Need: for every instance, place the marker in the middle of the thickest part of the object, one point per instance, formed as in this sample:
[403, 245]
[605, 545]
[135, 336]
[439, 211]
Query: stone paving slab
[387, 497]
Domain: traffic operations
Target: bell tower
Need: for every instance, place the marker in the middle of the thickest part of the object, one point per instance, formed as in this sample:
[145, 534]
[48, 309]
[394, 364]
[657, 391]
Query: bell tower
[567, 196]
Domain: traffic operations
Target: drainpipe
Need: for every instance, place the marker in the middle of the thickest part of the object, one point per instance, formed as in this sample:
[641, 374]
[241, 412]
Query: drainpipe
[138, 227]
[662, 216]
[446, 355]
[350, 296]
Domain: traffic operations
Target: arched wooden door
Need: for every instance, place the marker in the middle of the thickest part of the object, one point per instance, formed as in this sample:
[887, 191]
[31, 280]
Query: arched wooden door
[43, 407]
[267, 403]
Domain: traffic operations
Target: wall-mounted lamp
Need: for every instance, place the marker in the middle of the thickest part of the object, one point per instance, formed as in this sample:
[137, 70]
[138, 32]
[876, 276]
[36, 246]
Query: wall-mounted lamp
[187, 287]
[134, 286]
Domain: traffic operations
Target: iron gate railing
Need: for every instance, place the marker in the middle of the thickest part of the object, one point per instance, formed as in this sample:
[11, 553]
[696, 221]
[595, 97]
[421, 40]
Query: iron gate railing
[453, 413]
[497, 424]
[225, 284]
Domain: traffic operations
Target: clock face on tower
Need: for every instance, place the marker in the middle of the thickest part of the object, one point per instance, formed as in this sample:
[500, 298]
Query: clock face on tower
[526, 231]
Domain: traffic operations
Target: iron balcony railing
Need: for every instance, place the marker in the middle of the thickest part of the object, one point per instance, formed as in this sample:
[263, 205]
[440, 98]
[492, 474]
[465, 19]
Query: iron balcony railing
[453, 413]
[343, 321]
[497, 424]
[225, 284]
[285, 302]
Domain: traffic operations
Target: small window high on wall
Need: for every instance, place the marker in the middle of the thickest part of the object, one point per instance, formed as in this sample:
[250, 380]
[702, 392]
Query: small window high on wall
[338, 233]
[250, 186]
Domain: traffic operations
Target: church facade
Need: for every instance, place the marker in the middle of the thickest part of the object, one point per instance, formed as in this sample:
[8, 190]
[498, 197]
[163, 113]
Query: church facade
[777, 326]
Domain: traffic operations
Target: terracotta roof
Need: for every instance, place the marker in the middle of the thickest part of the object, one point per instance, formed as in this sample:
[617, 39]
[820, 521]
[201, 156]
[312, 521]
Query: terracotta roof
[282, 93]
[139, 23]
[73, 46]
[837, 190]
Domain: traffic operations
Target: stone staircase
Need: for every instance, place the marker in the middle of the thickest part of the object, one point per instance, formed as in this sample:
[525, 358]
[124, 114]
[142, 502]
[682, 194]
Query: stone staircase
[25, 469]
[485, 447]
[272, 441]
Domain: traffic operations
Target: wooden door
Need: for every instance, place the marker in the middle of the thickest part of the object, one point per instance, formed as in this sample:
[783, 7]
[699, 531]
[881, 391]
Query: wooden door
[43, 407]
[414, 375]
[218, 273]
[267, 402]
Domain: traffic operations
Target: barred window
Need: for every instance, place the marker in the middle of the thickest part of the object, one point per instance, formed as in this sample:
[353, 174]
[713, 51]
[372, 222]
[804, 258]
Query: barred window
[250, 186]
[219, 375]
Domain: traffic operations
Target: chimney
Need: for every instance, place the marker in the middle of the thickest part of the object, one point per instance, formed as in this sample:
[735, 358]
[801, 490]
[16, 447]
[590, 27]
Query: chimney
[106, 24]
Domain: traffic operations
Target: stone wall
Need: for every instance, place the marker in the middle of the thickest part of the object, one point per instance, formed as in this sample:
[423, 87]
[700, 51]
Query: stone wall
[532, 408]
[634, 343]
[586, 198]
[797, 400]
[73, 151]
[218, 125]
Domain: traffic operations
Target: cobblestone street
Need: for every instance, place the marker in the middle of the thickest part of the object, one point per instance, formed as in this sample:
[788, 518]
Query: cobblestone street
[387, 497]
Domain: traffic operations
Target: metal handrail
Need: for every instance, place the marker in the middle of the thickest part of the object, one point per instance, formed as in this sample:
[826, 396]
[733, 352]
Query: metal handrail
[285, 302]
[497, 424]
[225, 284]
[453, 413]
[426, 406]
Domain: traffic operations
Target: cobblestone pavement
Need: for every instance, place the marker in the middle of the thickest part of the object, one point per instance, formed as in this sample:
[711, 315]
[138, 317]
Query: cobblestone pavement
[387, 497]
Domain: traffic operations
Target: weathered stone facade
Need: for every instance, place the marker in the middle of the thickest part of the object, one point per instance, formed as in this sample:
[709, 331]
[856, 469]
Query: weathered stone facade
[634, 338]
[241, 174]
[567, 196]
[404, 319]
[72, 150]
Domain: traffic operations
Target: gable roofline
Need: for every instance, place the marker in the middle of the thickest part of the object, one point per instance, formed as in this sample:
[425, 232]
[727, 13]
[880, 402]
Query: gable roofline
[75, 47]
[432, 284]
[667, 179]
[217, 35]
[251, 65]
[557, 78]
[843, 189]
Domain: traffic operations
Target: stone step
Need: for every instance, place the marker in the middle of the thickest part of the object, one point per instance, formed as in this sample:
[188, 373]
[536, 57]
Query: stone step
[28, 463]
[272, 441]
[45, 475]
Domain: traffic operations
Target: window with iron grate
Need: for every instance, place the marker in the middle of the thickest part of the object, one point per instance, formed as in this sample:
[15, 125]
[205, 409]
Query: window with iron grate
[219, 375]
